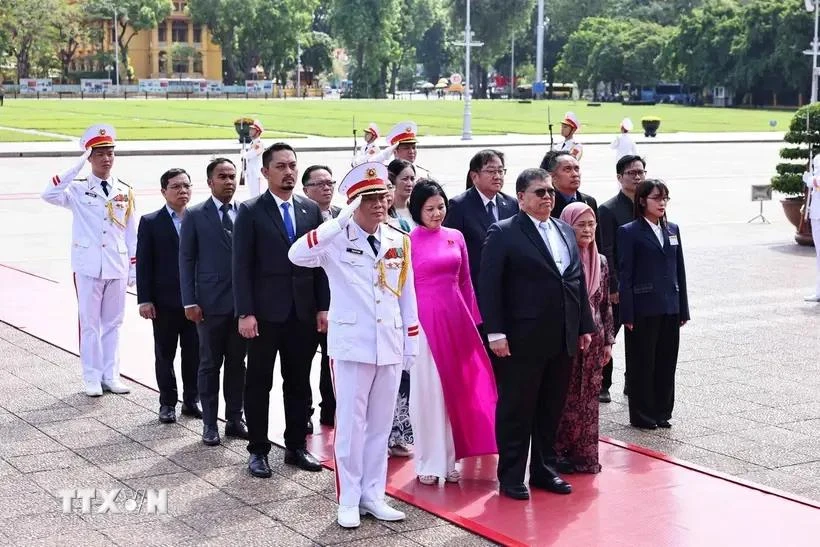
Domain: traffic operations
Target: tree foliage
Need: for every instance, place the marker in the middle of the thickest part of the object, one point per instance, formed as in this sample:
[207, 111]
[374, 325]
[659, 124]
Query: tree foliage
[26, 26]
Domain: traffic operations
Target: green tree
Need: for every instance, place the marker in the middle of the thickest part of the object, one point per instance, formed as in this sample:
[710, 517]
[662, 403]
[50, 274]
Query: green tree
[225, 20]
[132, 17]
[318, 54]
[27, 27]
[72, 28]
[272, 35]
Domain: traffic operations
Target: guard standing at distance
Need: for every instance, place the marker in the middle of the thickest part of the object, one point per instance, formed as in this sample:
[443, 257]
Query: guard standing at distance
[372, 331]
[103, 255]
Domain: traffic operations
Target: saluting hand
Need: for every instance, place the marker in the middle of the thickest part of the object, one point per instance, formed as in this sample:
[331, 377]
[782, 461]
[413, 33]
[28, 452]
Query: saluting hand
[148, 311]
[248, 327]
[193, 313]
[500, 347]
[347, 211]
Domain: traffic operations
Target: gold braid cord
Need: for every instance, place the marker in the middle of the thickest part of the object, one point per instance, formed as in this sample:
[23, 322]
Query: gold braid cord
[404, 268]
[110, 207]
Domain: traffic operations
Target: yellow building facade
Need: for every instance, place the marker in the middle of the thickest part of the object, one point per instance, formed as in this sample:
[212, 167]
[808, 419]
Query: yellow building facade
[176, 48]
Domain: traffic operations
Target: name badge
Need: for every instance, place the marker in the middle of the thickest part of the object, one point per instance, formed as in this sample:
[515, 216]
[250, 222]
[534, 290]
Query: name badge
[673, 240]
[354, 251]
[91, 194]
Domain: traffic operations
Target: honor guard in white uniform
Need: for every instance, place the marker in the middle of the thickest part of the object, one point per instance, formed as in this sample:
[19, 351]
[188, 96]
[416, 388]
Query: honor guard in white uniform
[403, 138]
[569, 126]
[372, 334]
[812, 182]
[370, 150]
[103, 255]
[623, 143]
[253, 159]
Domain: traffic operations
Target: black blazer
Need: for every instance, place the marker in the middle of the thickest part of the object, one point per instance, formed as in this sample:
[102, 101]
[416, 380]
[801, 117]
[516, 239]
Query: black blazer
[466, 213]
[205, 260]
[653, 278]
[613, 214]
[158, 261]
[524, 296]
[266, 283]
[561, 202]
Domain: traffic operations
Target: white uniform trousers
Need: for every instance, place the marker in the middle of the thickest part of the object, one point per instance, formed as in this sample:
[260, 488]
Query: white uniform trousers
[101, 304]
[815, 233]
[365, 401]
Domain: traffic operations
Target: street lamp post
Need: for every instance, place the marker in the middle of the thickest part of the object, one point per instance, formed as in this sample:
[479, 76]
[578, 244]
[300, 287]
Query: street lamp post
[466, 129]
[116, 53]
[539, 45]
[298, 70]
[814, 53]
[512, 68]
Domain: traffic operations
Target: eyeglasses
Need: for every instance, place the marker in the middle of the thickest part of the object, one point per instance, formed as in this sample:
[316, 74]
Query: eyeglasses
[177, 187]
[664, 199]
[635, 173]
[328, 183]
[494, 172]
[542, 192]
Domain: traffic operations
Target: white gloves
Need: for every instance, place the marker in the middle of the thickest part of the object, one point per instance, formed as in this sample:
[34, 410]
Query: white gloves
[132, 276]
[409, 361]
[347, 212]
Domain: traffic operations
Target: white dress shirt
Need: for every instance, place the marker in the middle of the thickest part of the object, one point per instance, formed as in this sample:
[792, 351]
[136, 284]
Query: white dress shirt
[175, 218]
[485, 200]
[657, 229]
[279, 201]
[231, 211]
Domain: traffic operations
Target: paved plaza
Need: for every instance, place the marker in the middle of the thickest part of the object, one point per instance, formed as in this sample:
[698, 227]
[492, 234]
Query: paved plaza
[748, 382]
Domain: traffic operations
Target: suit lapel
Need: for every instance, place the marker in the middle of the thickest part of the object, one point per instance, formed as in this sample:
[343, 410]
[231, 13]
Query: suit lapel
[302, 221]
[386, 242]
[505, 208]
[272, 210]
[212, 213]
[534, 235]
[479, 211]
[168, 222]
[647, 231]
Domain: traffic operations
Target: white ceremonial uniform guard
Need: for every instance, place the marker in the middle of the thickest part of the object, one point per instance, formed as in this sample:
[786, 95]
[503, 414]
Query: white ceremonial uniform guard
[103, 255]
[623, 143]
[372, 334]
[812, 182]
[253, 159]
[370, 150]
[569, 126]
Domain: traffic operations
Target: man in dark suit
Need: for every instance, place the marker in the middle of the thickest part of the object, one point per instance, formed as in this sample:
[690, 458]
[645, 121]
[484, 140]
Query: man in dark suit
[482, 205]
[536, 312]
[565, 172]
[612, 214]
[281, 307]
[318, 185]
[159, 299]
[206, 282]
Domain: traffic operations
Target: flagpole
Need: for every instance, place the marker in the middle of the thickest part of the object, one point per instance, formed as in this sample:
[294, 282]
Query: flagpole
[814, 53]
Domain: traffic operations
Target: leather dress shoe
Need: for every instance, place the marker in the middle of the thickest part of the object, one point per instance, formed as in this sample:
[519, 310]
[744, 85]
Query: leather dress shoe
[210, 435]
[92, 389]
[553, 484]
[348, 516]
[380, 510]
[191, 410]
[167, 414]
[604, 396]
[236, 429]
[302, 459]
[115, 386]
[258, 466]
[514, 491]
[664, 424]
[641, 424]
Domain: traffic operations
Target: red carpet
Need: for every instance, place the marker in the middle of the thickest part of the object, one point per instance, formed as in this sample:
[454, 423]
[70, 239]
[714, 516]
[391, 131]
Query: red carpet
[641, 498]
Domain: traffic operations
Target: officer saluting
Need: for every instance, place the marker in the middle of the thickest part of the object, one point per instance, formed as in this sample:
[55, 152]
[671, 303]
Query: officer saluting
[373, 331]
[103, 255]
[569, 126]
[252, 169]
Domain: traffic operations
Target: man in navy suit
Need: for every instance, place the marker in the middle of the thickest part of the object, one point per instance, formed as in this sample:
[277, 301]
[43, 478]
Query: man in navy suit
[533, 299]
[159, 298]
[565, 172]
[483, 204]
[206, 281]
[281, 308]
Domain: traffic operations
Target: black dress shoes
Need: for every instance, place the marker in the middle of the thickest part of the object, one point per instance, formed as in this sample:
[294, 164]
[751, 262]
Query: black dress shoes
[167, 414]
[514, 491]
[302, 459]
[191, 410]
[258, 466]
[236, 429]
[641, 424]
[664, 423]
[210, 435]
[604, 396]
[553, 484]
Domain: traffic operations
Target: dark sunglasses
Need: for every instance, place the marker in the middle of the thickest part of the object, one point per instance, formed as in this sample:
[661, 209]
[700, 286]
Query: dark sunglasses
[541, 192]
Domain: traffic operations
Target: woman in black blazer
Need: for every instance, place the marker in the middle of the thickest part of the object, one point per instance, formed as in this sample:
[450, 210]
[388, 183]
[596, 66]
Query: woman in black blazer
[653, 304]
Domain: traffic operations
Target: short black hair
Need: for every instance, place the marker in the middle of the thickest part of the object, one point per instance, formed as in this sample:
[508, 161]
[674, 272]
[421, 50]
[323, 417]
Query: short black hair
[275, 147]
[552, 159]
[620, 167]
[480, 159]
[171, 173]
[396, 167]
[209, 171]
[528, 176]
[644, 189]
[311, 169]
[422, 191]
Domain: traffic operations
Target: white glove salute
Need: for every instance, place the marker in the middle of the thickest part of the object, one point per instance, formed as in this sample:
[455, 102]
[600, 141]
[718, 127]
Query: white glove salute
[347, 212]
[71, 174]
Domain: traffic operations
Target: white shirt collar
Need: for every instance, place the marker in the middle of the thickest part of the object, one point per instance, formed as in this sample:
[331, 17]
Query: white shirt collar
[171, 211]
[538, 222]
[94, 180]
[218, 204]
[485, 200]
[365, 235]
[280, 201]
[655, 227]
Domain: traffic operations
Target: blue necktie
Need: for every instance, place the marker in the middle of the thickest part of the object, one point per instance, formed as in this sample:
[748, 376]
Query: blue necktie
[288, 222]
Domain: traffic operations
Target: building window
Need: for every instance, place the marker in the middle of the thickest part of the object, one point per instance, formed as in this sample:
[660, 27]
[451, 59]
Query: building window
[181, 65]
[197, 34]
[162, 32]
[163, 62]
[198, 63]
[179, 6]
[179, 31]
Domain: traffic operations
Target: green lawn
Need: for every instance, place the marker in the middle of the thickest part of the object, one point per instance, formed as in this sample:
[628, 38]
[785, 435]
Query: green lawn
[209, 119]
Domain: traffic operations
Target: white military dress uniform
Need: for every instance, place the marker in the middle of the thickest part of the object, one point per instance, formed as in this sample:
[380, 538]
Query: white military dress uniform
[370, 151]
[570, 144]
[103, 258]
[253, 161]
[812, 182]
[623, 143]
[373, 330]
